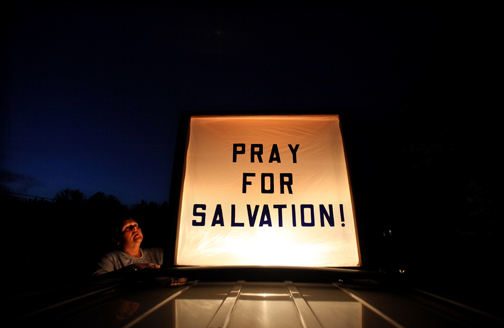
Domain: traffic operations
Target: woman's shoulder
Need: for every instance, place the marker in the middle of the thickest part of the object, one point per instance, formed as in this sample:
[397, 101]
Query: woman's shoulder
[115, 253]
[153, 250]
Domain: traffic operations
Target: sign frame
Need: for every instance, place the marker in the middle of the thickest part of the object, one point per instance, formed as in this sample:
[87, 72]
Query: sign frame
[178, 179]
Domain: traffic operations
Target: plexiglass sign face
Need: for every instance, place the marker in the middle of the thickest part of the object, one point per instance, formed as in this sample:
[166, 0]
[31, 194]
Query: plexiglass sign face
[266, 190]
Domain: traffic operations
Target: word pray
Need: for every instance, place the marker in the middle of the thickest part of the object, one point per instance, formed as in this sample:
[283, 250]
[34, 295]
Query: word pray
[257, 151]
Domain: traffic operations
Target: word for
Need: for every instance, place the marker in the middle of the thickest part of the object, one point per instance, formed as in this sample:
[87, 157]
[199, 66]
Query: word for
[263, 216]
[267, 185]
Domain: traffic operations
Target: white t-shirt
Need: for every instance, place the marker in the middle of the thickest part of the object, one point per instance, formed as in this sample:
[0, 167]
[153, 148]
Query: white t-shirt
[117, 260]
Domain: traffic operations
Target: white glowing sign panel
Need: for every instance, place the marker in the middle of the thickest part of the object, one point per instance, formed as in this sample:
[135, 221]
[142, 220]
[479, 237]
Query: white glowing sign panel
[266, 190]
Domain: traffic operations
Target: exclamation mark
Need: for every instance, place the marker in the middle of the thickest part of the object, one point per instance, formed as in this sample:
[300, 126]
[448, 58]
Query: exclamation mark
[342, 215]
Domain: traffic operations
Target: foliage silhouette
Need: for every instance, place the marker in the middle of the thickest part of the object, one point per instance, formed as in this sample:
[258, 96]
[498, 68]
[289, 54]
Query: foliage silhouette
[62, 239]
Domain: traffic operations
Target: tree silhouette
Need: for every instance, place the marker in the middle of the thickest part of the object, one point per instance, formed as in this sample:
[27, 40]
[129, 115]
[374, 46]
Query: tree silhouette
[75, 231]
[69, 195]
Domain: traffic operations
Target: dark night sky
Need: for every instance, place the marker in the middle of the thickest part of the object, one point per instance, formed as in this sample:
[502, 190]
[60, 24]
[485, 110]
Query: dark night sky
[91, 99]
[91, 95]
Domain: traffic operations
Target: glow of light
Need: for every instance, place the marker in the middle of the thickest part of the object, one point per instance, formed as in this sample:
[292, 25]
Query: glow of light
[214, 180]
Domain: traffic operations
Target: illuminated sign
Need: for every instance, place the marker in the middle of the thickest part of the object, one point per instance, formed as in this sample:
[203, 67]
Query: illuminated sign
[266, 190]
